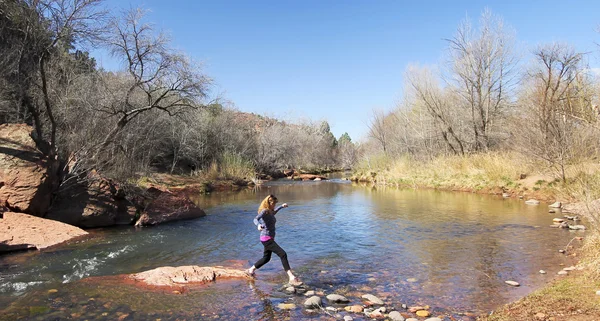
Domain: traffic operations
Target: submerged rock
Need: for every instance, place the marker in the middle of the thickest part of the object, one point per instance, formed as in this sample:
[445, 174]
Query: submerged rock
[532, 202]
[173, 276]
[20, 231]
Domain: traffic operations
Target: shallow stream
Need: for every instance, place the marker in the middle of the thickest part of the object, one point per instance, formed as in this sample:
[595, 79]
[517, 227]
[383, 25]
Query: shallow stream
[451, 251]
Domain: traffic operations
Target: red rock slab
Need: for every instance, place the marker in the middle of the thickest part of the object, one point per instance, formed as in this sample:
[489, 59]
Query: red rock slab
[190, 274]
[20, 231]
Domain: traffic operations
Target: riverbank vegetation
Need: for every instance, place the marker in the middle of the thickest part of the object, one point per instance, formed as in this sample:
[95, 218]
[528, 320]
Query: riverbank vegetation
[497, 118]
[156, 113]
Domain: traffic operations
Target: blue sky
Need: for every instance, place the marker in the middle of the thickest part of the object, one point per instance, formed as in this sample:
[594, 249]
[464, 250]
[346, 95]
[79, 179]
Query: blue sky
[340, 60]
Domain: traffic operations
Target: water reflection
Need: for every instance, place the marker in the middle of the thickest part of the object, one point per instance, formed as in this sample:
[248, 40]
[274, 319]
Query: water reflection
[448, 250]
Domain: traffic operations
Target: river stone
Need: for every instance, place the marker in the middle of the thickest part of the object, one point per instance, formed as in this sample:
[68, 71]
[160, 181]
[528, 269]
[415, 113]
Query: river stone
[513, 283]
[396, 316]
[286, 306]
[313, 302]
[411, 280]
[542, 272]
[532, 202]
[423, 313]
[309, 293]
[337, 298]
[577, 227]
[558, 220]
[354, 308]
[348, 318]
[433, 319]
[412, 319]
[556, 205]
[373, 299]
[570, 268]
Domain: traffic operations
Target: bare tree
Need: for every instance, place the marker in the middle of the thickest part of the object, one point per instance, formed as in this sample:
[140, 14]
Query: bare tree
[558, 107]
[482, 73]
[426, 92]
[156, 77]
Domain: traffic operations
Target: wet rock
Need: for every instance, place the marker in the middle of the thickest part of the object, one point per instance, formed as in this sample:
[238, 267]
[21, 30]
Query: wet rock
[336, 298]
[570, 268]
[414, 309]
[562, 273]
[20, 231]
[423, 313]
[373, 299]
[171, 276]
[513, 283]
[169, 207]
[558, 220]
[354, 308]
[348, 318]
[309, 293]
[396, 316]
[555, 205]
[505, 195]
[27, 178]
[313, 302]
[532, 202]
[577, 227]
[286, 306]
[551, 211]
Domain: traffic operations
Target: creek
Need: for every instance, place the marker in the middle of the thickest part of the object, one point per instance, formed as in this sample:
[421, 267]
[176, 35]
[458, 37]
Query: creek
[451, 251]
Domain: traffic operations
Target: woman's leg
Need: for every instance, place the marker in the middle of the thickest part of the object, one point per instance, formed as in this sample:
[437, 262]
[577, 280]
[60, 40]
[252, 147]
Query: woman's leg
[275, 248]
[266, 255]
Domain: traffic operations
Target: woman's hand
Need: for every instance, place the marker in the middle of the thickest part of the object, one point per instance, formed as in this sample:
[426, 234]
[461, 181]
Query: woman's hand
[284, 205]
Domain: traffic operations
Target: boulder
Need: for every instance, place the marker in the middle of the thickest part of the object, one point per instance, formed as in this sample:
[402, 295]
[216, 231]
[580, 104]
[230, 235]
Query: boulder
[27, 179]
[168, 206]
[190, 274]
[96, 202]
[20, 231]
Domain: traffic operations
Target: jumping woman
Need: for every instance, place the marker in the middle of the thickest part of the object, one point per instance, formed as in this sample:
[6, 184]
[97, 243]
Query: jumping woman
[265, 221]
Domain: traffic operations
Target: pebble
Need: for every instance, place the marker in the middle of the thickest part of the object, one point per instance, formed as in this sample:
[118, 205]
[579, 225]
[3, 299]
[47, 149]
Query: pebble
[313, 301]
[309, 293]
[540, 316]
[598, 292]
[348, 318]
[513, 283]
[411, 280]
[286, 306]
[542, 272]
[563, 273]
[433, 319]
[337, 298]
[396, 316]
[373, 299]
[423, 313]
[354, 308]
[52, 291]
[570, 268]
[412, 319]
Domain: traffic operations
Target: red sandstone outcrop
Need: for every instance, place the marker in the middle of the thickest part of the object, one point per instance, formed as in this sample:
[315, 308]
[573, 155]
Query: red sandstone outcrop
[27, 180]
[20, 231]
[97, 202]
[167, 206]
[181, 275]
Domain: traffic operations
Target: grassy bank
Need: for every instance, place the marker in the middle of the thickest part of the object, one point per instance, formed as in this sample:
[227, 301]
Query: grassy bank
[571, 297]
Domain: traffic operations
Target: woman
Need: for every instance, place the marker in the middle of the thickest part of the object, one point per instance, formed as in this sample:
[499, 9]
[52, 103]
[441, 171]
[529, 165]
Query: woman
[265, 221]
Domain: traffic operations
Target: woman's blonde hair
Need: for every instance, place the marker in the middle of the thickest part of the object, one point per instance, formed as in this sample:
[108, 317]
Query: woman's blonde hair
[268, 203]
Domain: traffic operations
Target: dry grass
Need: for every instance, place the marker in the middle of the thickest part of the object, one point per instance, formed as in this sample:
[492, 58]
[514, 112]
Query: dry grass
[569, 298]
